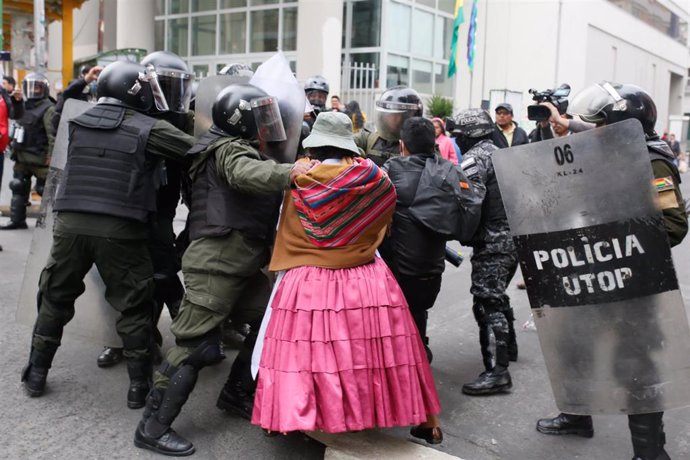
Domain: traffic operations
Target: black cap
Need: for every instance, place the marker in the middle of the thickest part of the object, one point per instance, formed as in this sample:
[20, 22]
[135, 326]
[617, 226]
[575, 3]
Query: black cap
[505, 106]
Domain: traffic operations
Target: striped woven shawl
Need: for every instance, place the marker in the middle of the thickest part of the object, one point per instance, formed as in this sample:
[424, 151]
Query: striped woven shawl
[337, 203]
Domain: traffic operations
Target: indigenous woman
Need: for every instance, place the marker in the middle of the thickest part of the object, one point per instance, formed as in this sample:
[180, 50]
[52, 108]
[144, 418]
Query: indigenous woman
[341, 351]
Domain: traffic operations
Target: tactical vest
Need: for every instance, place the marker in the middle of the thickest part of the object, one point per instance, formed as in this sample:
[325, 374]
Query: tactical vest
[217, 209]
[108, 170]
[35, 137]
[492, 207]
[659, 150]
[379, 149]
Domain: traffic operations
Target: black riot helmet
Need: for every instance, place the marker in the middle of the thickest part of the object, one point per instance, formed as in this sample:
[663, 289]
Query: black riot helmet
[608, 102]
[174, 79]
[35, 86]
[396, 105]
[131, 85]
[241, 70]
[316, 88]
[246, 111]
[470, 126]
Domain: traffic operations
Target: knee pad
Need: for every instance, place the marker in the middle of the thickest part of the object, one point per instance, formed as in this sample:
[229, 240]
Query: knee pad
[206, 351]
[479, 313]
[20, 186]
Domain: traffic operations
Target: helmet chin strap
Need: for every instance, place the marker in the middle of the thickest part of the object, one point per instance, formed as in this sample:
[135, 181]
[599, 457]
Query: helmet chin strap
[620, 104]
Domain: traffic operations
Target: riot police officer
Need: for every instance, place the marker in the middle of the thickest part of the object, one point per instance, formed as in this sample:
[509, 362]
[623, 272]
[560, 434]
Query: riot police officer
[603, 104]
[175, 82]
[31, 147]
[494, 258]
[396, 105]
[104, 202]
[236, 195]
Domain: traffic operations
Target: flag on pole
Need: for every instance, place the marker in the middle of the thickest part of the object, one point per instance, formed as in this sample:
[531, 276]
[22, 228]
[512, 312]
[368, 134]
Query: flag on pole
[471, 36]
[459, 19]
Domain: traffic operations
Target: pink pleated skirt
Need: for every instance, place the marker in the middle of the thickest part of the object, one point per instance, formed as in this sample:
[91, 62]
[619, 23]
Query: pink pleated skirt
[342, 353]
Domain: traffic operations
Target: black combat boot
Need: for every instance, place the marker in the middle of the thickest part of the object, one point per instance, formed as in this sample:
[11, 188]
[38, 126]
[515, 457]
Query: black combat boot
[35, 373]
[109, 357]
[237, 394]
[490, 382]
[139, 382]
[154, 431]
[648, 437]
[512, 342]
[21, 188]
[579, 425]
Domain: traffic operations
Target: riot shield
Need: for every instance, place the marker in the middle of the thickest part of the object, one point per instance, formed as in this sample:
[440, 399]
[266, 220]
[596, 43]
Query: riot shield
[206, 94]
[595, 256]
[275, 77]
[94, 319]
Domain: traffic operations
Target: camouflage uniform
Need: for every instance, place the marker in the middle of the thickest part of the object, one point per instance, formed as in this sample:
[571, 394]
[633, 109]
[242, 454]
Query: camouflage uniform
[494, 262]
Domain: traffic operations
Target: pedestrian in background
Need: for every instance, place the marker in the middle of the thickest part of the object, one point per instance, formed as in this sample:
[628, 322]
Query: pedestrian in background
[355, 113]
[445, 144]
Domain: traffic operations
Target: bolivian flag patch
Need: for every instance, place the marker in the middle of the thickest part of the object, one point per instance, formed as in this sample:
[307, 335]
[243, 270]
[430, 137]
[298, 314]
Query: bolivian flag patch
[664, 183]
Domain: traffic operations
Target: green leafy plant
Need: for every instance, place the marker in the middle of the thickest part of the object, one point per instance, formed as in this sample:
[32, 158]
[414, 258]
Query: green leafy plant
[439, 106]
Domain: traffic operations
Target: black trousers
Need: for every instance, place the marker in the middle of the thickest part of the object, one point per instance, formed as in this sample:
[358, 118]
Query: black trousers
[420, 293]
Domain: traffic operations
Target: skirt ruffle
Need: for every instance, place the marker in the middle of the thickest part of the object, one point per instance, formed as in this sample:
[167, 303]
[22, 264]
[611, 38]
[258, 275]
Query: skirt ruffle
[342, 353]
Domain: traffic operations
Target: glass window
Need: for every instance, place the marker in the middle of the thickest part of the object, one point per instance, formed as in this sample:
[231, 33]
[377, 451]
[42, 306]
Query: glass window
[177, 36]
[423, 23]
[179, 6]
[397, 71]
[366, 24]
[447, 37]
[160, 9]
[233, 3]
[421, 76]
[289, 29]
[443, 84]
[429, 3]
[264, 31]
[159, 35]
[204, 5]
[200, 70]
[233, 33]
[203, 35]
[439, 36]
[399, 27]
[448, 6]
[263, 2]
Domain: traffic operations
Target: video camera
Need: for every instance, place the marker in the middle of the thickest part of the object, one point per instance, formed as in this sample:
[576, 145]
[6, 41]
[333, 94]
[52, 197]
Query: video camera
[558, 97]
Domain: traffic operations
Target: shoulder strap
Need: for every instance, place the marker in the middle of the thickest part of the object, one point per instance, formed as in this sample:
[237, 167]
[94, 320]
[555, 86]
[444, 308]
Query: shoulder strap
[101, 117]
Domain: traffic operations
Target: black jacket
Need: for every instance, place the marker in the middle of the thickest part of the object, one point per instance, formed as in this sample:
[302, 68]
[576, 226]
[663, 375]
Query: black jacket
[410, 249]
[519, 137]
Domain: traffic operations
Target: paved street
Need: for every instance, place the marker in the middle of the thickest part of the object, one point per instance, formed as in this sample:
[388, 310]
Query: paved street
[83, 413]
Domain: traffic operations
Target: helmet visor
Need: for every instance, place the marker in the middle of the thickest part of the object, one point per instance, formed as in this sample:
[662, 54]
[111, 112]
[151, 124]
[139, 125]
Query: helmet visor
[390, 117]
[177, 88]
[589, 103]
[151, 77]
[35, 89]
[269, 123]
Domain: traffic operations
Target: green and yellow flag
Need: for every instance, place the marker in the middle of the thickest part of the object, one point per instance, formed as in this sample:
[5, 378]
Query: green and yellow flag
[459, 19]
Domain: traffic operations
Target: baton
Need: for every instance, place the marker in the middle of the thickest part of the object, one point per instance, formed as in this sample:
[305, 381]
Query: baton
[453, 256]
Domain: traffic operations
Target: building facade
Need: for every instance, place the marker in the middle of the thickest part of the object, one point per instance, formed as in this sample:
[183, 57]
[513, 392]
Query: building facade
[364, 46]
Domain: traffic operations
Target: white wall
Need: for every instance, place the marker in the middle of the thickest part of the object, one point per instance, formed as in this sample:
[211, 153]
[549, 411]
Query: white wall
[523, 44]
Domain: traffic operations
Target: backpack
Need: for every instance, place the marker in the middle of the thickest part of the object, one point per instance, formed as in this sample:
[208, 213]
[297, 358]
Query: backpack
[446, 202]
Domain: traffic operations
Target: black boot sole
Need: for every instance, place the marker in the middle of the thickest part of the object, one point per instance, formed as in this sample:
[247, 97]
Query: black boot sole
[144, 445]
[34, 393]
[135, 404]
[583, 432]
[488, 391]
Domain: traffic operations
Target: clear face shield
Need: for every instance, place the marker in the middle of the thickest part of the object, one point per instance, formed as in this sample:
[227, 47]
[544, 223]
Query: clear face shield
[177, 88]
[390, 117]
[35, 89]
[317, 98]
[269, 124]
[589, 103]
[151, 77]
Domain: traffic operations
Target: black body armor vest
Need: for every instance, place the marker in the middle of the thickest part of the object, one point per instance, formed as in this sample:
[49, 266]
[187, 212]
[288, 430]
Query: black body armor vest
[217, 209]
[108, 170]
[35, 137]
